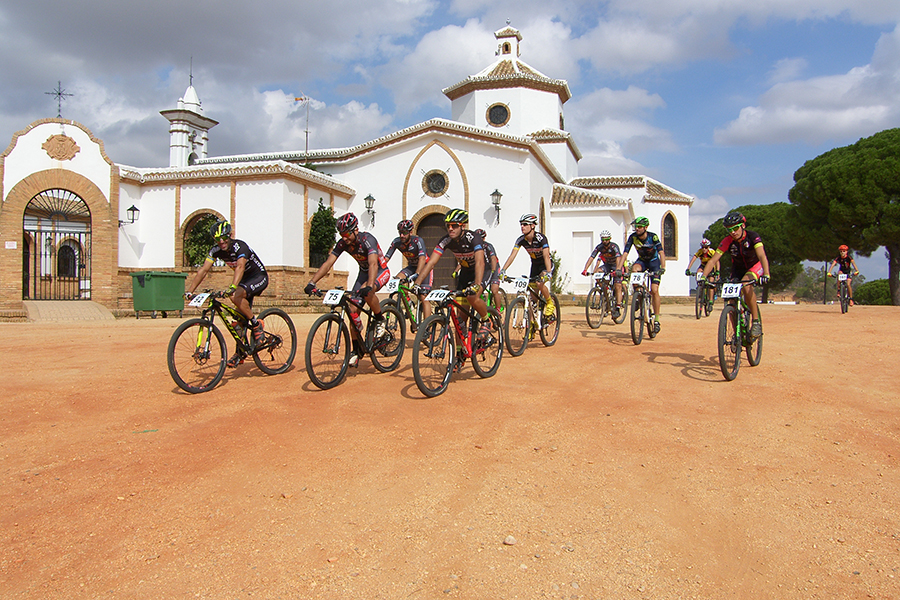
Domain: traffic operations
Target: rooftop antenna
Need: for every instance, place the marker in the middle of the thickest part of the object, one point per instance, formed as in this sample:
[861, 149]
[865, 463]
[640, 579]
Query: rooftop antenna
[191, 81]
[60, 95]
[302, 98]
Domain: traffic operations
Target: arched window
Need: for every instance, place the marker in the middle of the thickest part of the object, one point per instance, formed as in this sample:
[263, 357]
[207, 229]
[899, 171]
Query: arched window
[66, 265]
[198, 240]
[670, 236]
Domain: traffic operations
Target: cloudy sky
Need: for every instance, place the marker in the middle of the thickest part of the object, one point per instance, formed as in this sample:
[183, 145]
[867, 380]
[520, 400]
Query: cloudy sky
[720, 99]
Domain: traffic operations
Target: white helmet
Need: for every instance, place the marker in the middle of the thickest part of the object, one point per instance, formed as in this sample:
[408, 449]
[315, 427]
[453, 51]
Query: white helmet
[605, 235]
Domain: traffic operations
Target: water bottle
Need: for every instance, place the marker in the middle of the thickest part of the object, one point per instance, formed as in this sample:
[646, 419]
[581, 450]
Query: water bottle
[354, 316]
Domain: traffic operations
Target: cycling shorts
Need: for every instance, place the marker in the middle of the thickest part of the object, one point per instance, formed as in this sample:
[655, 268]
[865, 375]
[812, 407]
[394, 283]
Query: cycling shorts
[255, 285]
[363, 279]
[737, 275]
[410, 271]
[647, 266]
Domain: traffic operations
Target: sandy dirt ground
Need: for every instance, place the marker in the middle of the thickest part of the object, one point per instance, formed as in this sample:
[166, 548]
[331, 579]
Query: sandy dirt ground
[593, 469]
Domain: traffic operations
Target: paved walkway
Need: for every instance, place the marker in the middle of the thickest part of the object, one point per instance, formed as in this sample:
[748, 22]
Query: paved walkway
[71, 310]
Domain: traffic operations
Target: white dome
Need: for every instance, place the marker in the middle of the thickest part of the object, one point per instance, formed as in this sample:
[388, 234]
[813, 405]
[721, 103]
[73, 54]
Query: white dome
[192, 100]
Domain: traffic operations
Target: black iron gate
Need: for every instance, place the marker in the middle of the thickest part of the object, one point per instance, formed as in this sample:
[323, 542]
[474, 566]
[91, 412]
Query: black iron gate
[56, 258]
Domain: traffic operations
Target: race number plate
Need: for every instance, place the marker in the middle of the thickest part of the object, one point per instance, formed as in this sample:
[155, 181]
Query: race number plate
[842, 277]
[520, 284]
[393, 285]
[638, 279]
[198, 300]
[437, 295]
[731, 290]
[333, 297]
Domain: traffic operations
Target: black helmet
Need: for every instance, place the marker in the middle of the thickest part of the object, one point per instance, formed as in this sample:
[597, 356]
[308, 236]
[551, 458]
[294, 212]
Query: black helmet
[481, 233]
[220, 229]
[347, 222]
[734, 218]
[404, 226]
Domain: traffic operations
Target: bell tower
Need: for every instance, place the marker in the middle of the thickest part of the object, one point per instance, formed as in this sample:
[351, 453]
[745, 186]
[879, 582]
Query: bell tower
[188, 130]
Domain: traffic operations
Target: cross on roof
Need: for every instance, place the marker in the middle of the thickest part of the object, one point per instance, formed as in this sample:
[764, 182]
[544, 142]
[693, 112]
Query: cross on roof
[60, 94]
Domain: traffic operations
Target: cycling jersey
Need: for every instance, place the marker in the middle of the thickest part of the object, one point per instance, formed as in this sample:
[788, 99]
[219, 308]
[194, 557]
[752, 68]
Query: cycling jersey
[846, 263]
[534, 248]
[360, 250]
[463, 248]
[648, 249]
[411, 250]
[704, 254]
[490, 276]
[255, 279]
[609, 253]
[743, 251]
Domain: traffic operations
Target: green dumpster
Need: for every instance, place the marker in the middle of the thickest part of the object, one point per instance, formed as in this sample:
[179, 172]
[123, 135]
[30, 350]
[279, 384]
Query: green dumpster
[158, 291]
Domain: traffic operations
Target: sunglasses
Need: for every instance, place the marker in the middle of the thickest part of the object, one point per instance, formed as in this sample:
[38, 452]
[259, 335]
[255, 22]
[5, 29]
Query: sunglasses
[453, 225]
[735, 228]
[346, 234]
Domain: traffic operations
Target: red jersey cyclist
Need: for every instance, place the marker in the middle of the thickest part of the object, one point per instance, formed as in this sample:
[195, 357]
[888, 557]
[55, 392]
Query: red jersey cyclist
[609, 259]
[538, 248]
[651, 258]
[704, 254]
[847, 266]
[412, 247]
[748, 262]
[373, 274]
[466, 246]
[250, 279]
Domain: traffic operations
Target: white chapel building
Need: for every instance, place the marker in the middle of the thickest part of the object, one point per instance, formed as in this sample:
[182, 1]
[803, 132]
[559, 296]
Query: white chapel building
[63, 196]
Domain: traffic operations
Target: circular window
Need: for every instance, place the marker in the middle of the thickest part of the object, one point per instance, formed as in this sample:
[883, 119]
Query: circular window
[498, 115]
[435, 183]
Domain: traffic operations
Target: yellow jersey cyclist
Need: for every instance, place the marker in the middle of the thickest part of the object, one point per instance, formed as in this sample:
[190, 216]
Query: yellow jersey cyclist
[250, 279]
[704, 254]
[609, 254]
[466, 246]
[651, 258]
[373, 274]
[538, 248]
[748, 262]
[412, 247]
[847, 266]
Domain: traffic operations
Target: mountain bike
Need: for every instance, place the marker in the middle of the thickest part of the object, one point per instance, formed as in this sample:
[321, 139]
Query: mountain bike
[401, 297]
[525, 315]
[451, 336]
[703, 305]
[196, 353]
[328, 346]
[734, 331]
[641, 306]
[844, 292]
[601, 300]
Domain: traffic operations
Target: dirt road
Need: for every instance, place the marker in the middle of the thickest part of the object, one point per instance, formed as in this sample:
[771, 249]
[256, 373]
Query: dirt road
[594, 469]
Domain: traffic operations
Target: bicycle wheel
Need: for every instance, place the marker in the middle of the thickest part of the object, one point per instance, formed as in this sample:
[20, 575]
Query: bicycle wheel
[550, 325]
[196, 356]
[637, 318]
[501, 301]
[729, 344]
[517, 327]
[593, 308]
[327, 351]
[700, 301]
[754, 348]
[651, 322]
[276, 355]
[845, 298]
[433, 355]
[708, 302]
[387, 352]
[486, 354]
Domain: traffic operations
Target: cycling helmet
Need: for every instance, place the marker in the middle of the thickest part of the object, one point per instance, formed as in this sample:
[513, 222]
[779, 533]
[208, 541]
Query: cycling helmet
[404, 226]
[642, 222]
[734, 218]
[528, 218]
[704, 243]
[347, 223]
[605, 235]
[220, 228]
[481, 233]
[843, 247]
[456, 215]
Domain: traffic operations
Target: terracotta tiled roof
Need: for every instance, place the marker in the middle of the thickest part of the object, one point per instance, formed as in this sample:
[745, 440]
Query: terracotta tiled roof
[567, 195]
[509, 73]
[654, 191]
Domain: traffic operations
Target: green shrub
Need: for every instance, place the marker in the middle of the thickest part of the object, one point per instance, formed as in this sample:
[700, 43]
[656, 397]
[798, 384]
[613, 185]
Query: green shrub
[873, 292]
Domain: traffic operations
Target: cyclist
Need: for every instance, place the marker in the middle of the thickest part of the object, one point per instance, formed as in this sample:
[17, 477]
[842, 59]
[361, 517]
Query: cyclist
[609, 259]
[704, 254]
[467, 247]
[651, 257]
[538, 248]
[748, 262]
[250, 279]
[847, 265]
[491, 278]
[373, 274]
[412, 247]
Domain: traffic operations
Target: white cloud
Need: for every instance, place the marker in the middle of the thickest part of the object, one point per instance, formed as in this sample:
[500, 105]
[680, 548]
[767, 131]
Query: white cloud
[704, 212]
[787, 69]
[858, 103]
